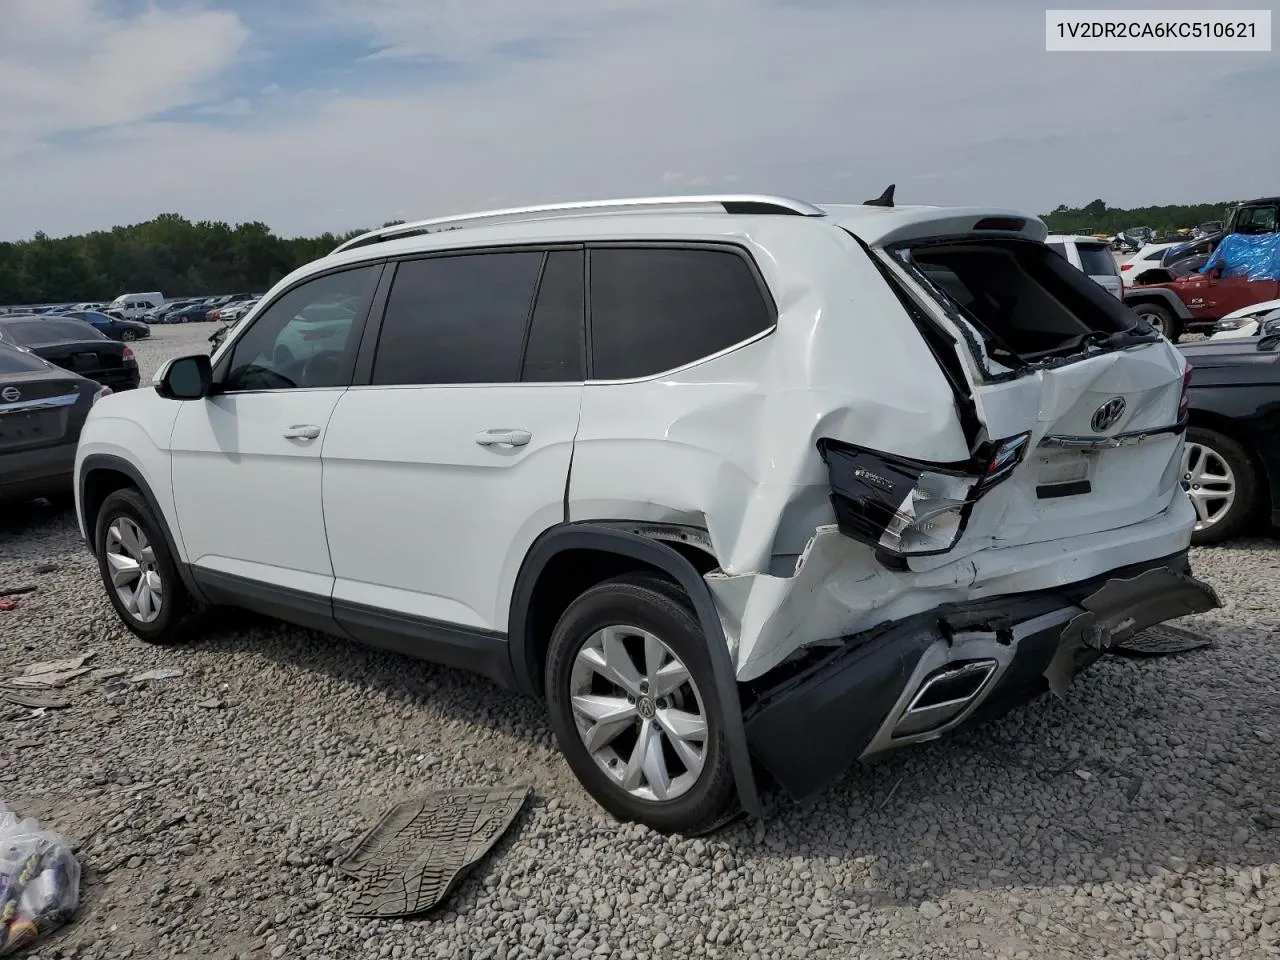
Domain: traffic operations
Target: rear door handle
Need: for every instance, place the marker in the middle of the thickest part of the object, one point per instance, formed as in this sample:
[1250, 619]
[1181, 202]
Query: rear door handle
[509, 438]
[302, 431]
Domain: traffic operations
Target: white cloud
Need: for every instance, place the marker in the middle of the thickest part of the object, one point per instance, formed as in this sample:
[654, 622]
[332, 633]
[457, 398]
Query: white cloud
[956, 103]
[66, 66]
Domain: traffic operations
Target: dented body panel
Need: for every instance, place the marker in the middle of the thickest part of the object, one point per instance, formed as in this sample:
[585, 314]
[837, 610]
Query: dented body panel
[730, 445]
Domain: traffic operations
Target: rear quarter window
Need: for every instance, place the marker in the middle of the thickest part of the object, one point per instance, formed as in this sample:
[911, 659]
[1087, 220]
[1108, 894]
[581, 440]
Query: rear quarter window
[653, 309]
[1096, 260]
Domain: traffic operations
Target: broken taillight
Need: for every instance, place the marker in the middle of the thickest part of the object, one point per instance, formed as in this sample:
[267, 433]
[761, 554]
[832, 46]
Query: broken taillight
[1184, 402]
[907, 507]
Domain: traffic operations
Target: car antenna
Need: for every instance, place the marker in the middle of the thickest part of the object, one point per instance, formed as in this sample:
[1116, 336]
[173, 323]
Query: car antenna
[884, 200]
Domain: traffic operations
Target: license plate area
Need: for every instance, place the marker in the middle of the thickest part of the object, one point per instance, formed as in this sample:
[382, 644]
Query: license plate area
[1065, 474]
[26, 429]
[84, 361]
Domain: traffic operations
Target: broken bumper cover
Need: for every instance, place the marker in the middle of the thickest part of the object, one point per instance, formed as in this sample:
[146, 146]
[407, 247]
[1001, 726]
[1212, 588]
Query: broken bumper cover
[919, 678]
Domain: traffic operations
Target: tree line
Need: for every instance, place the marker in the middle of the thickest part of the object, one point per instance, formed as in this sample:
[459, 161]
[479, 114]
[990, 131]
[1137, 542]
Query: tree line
[1097, 217]
[184, 258]
[170, 254]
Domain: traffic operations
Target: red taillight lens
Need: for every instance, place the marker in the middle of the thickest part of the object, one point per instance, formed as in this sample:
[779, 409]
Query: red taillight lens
[1184, 402]
[103, 391]
[1126, 266]
[128, 353]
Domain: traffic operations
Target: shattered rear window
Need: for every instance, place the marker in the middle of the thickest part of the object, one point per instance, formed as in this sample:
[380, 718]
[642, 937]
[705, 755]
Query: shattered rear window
[1025, 300]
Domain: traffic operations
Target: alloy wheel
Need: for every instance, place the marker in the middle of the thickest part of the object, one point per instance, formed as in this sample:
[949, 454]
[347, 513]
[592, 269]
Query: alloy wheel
[135, 577]
[1209, 482]
[639, 713]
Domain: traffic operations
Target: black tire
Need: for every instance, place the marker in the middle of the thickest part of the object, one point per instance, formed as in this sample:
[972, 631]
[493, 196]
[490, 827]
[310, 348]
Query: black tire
[177, 609]
[128, 336]
[1160, 318]
[660, 608]
[1245, 507]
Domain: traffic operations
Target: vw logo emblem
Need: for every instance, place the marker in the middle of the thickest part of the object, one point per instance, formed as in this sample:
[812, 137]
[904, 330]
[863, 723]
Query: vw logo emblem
[10, 395]
[645, 707]
[1108, 415]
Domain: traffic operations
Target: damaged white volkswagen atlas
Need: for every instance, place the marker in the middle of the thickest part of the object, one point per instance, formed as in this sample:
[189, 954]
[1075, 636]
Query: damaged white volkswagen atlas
[744, 487]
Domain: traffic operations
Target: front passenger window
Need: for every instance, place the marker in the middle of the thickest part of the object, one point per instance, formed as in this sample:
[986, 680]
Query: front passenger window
[304, 340]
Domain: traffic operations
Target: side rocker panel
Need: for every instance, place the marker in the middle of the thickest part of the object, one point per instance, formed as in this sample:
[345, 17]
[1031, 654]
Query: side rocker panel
[587, 536]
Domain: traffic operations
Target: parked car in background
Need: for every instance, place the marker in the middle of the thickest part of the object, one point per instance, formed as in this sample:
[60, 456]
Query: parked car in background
[195, 312]
[232, 312]
[1149, 257]
[42, 409]
[1231, 461]
[1092, 257]
[113, 327]
[1245, 322]
[740, 569]
[132, 306]
[74, 345]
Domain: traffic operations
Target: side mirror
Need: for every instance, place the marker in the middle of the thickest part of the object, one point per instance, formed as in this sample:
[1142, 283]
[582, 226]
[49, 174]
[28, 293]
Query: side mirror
[185, 378]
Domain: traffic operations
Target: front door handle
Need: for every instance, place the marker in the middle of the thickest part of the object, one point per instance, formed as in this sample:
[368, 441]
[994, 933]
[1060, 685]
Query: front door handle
[508, 438]
[302, 431]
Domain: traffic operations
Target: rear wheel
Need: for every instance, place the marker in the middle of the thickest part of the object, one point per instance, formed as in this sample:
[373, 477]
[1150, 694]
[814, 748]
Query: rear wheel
[1161, 319]
[128, 335]
[631, 694]
[1220, 480]
[138, 571]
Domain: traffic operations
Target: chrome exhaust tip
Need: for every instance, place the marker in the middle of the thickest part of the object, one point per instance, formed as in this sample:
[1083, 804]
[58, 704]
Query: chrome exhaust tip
[943, 696]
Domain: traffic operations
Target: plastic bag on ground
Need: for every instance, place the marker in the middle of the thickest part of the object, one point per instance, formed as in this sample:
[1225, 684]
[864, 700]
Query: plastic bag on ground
[39, 882]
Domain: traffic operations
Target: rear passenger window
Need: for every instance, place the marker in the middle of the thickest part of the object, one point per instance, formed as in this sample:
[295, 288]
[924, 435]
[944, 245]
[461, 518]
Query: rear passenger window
[655, 309]
[457, 319]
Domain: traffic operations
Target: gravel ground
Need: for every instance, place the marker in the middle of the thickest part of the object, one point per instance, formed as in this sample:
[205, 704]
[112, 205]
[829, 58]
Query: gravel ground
[1129, 822]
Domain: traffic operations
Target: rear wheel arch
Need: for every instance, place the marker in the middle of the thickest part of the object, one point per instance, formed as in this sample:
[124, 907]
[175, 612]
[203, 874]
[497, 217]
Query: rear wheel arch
[568, 560]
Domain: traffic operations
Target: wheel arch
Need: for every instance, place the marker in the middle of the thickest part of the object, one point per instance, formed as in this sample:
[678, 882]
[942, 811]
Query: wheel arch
[101, 475]
[570, 558]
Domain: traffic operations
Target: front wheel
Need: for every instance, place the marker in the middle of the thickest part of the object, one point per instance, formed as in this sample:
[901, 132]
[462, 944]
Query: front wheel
[138, 571]
[1220, 480]
[1164, 322]
[631, 694]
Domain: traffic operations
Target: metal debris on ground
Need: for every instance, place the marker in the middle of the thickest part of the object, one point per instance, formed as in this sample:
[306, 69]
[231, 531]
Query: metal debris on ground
[1161, 641]
[420, 850]
[39, 882]
[164, 673]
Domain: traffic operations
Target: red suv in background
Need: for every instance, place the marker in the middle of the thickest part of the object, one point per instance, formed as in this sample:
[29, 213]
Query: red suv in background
[1177, 301]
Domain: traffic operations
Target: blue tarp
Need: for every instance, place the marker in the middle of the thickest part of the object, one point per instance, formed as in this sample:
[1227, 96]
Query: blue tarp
[1252, 256]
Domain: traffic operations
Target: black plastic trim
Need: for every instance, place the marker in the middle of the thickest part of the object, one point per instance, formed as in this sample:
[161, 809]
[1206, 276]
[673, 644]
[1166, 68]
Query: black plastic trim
[479, 651]
[299, 607]
[106, 462]
[1053, 491]
[588, 536]
[362, 373]
[1142, 294]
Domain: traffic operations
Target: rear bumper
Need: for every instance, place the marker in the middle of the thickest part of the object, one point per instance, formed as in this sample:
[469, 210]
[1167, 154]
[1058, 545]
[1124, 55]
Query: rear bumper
[35, 473]
[922, 677]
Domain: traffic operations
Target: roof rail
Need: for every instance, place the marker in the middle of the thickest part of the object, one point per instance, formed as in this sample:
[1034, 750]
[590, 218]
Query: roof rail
[727, 203]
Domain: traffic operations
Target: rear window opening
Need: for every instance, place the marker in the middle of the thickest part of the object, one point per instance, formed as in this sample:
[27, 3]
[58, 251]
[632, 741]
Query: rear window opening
[1096, 260]
[1027, 302]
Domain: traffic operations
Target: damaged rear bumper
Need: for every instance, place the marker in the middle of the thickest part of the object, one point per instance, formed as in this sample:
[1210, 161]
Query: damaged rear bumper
[922, 677]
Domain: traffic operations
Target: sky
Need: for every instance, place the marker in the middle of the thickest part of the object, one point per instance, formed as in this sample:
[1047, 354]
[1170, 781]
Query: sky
[315, 115]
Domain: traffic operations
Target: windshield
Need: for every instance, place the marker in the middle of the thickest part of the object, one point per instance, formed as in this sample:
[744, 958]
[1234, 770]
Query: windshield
[28, 332]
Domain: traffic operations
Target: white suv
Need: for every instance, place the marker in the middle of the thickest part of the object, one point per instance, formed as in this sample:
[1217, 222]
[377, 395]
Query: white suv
[740, 485]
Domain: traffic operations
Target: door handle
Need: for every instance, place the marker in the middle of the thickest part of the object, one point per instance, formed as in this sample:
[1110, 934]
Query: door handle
[508, 438]
[302, 431]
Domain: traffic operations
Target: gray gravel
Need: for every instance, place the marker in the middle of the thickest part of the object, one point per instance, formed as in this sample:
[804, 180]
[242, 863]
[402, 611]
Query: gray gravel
[1139, 819]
